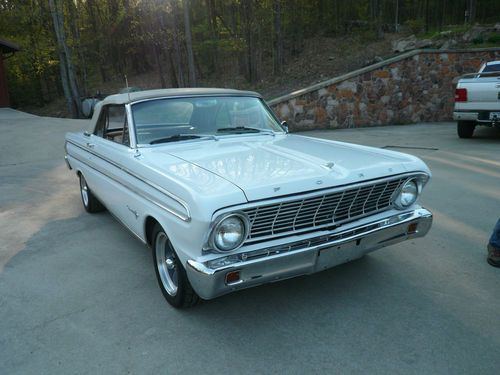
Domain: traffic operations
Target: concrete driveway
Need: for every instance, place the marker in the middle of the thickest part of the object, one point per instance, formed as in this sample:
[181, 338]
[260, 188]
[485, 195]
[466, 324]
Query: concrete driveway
[78, 293]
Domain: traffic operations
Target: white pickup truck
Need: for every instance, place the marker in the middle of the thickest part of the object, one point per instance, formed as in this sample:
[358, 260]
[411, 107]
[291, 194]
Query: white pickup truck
[477, 99]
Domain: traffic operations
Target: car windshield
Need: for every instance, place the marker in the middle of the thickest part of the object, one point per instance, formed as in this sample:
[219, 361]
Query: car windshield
[169, 120]
[491, 68]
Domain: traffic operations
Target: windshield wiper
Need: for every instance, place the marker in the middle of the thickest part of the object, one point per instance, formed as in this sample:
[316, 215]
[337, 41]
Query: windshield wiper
[182, 137]
[244, 129]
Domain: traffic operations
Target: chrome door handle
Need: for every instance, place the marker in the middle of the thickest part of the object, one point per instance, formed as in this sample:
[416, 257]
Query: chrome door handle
[91, 145]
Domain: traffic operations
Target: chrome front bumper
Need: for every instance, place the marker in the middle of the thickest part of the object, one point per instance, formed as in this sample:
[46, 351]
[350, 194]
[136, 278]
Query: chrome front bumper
[307, 257]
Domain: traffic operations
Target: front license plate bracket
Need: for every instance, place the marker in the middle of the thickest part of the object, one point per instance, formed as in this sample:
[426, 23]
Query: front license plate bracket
[335, 255]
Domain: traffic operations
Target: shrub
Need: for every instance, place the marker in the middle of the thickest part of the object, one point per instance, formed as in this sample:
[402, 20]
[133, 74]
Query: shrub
[494, 38]
[478, 40]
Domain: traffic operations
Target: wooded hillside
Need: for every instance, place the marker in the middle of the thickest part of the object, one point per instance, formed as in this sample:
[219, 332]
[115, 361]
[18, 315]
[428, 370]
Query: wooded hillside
[73, 47]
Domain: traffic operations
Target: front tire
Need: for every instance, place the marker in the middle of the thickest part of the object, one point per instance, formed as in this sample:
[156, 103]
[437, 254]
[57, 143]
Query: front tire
[465, 129]
[170, 273]
[90, 202]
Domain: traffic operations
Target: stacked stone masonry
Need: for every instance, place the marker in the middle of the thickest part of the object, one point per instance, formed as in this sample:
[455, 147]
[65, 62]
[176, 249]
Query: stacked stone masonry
[415, 87]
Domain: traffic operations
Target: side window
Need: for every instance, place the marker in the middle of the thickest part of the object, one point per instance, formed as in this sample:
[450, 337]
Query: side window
[112, 124]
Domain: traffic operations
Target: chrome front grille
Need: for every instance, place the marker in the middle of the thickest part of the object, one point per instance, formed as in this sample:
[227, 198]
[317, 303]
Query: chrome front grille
[320, 211]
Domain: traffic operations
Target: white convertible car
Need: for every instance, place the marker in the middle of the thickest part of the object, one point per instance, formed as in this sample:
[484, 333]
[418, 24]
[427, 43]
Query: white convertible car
[227, 199]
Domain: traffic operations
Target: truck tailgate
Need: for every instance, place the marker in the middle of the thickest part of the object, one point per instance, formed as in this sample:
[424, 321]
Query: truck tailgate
[482, 94]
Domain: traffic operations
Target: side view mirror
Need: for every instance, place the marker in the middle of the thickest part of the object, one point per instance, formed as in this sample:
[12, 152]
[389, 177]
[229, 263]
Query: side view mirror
[284, 125]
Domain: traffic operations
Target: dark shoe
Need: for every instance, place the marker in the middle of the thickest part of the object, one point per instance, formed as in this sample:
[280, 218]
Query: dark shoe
[493, 256]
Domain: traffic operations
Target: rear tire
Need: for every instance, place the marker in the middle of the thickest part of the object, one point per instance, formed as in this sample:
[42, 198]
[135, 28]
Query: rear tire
[170, 273]
[465, 129]
[90, 202]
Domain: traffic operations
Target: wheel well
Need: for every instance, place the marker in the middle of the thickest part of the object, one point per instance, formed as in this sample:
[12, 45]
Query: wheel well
[148, 229]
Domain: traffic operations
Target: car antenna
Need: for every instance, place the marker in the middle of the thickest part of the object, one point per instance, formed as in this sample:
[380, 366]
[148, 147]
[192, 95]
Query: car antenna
[126, 85]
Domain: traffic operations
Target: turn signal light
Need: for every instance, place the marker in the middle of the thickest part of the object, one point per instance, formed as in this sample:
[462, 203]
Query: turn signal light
[232, 277]
[461, 95]
[412, 228]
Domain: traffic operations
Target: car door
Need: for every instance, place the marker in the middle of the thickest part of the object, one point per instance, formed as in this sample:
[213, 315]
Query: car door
[110, 145]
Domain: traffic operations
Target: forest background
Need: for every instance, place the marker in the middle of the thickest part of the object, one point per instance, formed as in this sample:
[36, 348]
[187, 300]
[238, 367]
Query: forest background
[71, 49]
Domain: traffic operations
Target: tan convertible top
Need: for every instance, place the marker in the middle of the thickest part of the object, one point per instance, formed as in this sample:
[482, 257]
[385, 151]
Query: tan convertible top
[136, 96]
[151, 94]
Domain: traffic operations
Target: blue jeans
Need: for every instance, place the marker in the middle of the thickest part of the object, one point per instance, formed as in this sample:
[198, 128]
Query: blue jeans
[495, 237]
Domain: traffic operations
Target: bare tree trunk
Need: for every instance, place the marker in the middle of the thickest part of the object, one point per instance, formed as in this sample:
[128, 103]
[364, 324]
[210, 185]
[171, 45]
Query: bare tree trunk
[93, 11]
[168, 58]
[472, 11]
[75, 28]
[376, 18]
[278, 42]
[67, 69]
[177, 48]
[427, 15]
[250, 36]
[443, 14]
[396, 18]
[337, 16]
[189, 44]
[157, 52]
[171, 70]
[212, 24]
[65, 85]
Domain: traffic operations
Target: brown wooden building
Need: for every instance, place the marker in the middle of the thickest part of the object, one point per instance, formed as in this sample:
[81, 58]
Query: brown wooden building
[7, 49]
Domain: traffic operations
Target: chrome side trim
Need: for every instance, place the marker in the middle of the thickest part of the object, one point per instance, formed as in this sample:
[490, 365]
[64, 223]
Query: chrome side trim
[122, 222]
[181, 216]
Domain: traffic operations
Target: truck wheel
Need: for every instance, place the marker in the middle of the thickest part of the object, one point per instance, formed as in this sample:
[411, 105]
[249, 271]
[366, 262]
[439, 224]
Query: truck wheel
[465, 129]
[90, 202]
[170, 273]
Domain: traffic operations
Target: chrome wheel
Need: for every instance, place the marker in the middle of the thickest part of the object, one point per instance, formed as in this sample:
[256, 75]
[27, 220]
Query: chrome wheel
[84, 189]
[166, 263]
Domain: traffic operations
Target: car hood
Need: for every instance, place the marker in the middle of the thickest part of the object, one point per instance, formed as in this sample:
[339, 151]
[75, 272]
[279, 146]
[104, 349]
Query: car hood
[265, 166]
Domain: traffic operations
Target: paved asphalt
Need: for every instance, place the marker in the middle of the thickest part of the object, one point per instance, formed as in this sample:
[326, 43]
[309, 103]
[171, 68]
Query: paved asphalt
[78, 293]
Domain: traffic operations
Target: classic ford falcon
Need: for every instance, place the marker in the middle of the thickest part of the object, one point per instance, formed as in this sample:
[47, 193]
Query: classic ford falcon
[227, 199]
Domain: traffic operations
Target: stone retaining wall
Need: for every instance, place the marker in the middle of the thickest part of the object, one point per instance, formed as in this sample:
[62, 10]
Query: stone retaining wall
[418, 86]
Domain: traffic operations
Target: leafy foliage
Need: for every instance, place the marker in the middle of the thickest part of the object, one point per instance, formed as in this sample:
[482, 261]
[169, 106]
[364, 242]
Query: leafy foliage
[111, 39]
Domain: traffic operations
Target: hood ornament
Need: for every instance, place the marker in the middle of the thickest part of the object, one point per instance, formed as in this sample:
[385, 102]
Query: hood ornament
[329, 165]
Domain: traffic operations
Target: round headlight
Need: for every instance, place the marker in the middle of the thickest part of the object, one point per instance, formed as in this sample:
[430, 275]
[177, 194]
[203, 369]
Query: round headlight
[407, 195]
[229, 233]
